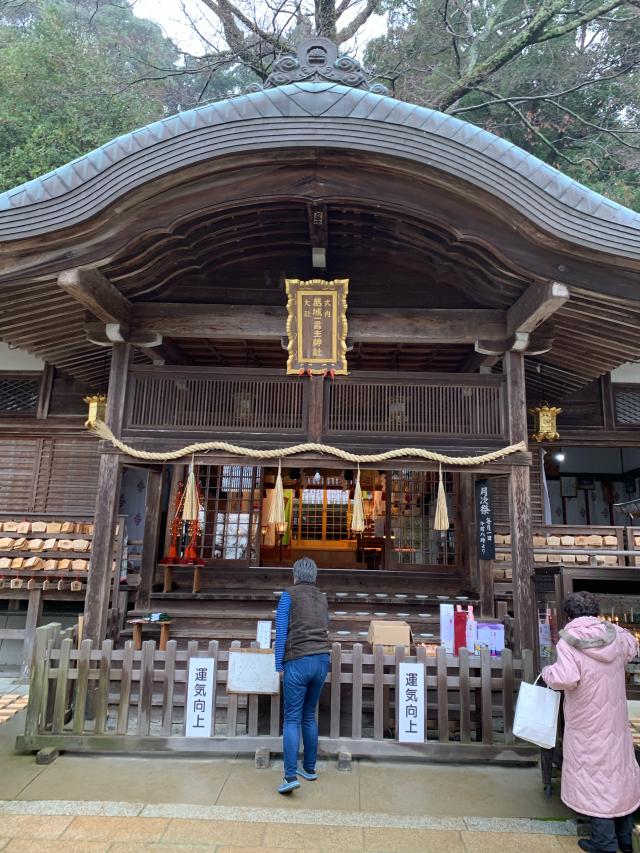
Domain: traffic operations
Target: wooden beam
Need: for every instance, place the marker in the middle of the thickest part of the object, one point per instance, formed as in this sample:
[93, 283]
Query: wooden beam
[478, 361]
[455, 326]
[97, 294]
[153, 510]
[536, 305]
[170, 353]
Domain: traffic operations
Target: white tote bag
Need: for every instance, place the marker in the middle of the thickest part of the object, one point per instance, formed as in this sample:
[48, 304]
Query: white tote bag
[536, 717]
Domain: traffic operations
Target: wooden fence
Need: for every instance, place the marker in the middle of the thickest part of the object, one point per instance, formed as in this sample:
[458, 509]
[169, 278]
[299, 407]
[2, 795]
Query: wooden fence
[120, 700]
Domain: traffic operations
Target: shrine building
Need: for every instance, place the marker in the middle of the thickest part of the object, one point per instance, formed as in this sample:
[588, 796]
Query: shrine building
[454, 283]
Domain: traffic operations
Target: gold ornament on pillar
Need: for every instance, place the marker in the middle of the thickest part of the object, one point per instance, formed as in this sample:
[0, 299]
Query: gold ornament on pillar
[441, 521]
[97, 409]
[357, 516]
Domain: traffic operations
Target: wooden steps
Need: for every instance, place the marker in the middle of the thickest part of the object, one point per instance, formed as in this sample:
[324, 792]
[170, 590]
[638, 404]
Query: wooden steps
[232, 602]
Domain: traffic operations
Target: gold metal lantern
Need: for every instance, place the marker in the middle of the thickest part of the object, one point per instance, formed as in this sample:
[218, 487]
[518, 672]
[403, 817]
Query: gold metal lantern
[544, 422]
[97, 409]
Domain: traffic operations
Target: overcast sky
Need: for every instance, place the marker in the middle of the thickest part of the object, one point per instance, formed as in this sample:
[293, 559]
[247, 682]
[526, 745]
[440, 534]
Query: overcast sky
[171, 17]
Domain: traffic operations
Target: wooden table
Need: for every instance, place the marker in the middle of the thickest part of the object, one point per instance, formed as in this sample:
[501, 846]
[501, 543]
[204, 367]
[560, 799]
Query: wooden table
[137, 631]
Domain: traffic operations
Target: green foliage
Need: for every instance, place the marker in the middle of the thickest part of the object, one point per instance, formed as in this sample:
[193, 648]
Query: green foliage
[573, 101]
[75, 75]
[64, 87]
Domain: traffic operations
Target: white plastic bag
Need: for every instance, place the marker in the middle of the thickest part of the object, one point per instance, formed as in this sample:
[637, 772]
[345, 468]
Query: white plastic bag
[536, 718]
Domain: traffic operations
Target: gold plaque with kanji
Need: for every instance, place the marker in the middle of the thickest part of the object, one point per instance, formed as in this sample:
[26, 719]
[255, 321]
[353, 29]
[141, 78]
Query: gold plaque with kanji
[317, 325]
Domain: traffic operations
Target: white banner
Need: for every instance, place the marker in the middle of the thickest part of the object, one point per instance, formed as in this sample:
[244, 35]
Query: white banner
[410, 703]
[200, 698]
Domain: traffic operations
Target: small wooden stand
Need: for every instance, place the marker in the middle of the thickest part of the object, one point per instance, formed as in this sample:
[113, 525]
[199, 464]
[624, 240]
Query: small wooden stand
[137, 632]
[168, 575]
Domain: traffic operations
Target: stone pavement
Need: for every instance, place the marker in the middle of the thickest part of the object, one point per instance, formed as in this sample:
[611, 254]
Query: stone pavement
[120, 804]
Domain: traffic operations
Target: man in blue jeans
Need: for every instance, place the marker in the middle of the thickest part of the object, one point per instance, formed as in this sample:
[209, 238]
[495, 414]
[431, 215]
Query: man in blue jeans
[302, 653]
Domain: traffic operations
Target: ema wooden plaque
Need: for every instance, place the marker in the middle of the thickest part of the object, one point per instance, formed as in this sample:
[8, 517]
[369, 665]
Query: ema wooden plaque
[317, 326]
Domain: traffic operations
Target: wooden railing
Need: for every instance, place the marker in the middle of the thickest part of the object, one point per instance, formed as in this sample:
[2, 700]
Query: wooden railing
[215, 400]
[452, 406]
[107, 699]
[396, 405]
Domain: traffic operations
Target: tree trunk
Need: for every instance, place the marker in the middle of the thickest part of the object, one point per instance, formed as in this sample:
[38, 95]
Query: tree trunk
[326, 19]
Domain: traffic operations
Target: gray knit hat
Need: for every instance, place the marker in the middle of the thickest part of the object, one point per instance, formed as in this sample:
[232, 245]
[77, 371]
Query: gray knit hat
[304, 570]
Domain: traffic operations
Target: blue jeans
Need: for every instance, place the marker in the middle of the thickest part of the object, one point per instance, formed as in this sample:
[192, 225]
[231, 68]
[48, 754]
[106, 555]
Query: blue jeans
[303, 680]
[608, 833]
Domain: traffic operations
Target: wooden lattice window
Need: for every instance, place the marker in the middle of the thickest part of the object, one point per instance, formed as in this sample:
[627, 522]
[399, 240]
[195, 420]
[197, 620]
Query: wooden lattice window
[413, 508]
[231, 496]
[321, 514]
[19, 393]
[627, 404]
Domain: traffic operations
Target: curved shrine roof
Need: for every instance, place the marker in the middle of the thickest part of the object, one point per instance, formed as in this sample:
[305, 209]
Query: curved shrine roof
[330, 116]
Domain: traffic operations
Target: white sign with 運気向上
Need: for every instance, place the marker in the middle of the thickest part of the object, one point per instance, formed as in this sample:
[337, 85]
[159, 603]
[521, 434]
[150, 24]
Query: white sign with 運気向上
[410, 703]
[200, 697]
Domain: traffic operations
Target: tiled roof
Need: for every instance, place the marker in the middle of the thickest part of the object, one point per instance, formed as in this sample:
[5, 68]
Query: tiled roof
[329, 116]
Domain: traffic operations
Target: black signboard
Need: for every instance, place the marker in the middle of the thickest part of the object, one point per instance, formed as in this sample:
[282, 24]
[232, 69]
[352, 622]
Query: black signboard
[484, 521]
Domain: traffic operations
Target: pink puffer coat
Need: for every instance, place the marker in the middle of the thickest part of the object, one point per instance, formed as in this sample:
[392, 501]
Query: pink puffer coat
[600, 775]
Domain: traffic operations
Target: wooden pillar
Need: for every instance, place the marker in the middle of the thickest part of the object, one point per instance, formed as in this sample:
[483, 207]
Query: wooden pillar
[388, 542]
[34, 611]
[466, 555]
[315, 411]
[150, 538]
[177, 477]
[519, 491]
[99, 579]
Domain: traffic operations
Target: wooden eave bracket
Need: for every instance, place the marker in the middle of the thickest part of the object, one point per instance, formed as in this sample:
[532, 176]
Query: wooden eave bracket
[108, 334]
[109, 313]
[524, 319]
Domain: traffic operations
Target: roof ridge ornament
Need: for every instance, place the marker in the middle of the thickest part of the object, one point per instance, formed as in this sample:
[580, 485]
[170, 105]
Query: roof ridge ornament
[317, 59]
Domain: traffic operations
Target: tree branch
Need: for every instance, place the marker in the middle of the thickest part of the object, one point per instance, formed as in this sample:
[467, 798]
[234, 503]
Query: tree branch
[519, 99]
[609, 131]
[229, 15]
[532, 34]
[360, 19]
[539, 135]
[586, 18]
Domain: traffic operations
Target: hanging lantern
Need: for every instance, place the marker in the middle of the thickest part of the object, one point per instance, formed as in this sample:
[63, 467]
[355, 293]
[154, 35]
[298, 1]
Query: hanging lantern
[97, 409]
[441, 521]
[357, 516]
[544, 422]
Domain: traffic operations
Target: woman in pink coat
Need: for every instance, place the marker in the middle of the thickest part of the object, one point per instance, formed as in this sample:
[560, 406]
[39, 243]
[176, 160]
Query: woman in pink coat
[600, 775]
